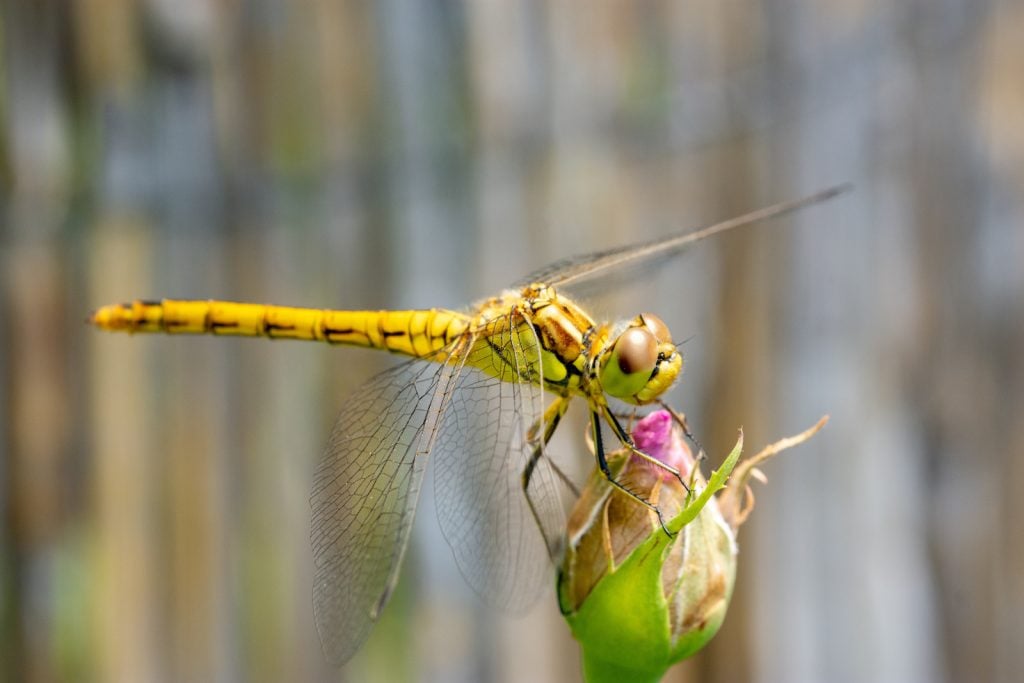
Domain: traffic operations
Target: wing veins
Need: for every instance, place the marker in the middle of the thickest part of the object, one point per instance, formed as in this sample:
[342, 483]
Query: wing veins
[583, 267]
[365, 493]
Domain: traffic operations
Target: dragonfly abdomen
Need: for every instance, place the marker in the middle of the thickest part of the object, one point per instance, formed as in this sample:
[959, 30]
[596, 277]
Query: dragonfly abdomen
[417, 333]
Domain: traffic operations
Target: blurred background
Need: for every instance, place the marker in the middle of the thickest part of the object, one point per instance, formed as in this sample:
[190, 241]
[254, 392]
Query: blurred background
[154, 491]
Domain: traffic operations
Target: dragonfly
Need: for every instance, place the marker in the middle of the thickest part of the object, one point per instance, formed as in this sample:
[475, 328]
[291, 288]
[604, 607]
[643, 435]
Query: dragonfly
[481, 394]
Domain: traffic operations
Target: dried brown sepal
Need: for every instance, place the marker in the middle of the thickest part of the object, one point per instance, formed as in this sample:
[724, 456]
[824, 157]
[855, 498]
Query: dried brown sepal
[737, 500]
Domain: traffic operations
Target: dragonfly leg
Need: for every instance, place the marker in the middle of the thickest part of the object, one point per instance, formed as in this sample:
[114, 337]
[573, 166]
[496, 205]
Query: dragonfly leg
[552, 416]
[602, 461]
[680, 419]
[627, 441]
[629, 417]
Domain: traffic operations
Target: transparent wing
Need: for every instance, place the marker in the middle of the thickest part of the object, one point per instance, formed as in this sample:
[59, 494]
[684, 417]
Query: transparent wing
[582, 267]
[364, 498]
[503, 550]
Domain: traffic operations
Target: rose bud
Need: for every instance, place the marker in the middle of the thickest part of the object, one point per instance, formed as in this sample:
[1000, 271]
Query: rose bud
[642, 592]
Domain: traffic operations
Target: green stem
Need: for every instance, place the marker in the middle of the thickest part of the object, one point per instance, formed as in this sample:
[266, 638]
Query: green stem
[601, 671]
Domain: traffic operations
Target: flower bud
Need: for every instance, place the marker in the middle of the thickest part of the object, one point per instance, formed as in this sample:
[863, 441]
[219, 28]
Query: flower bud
[637, 598]
[642, 592]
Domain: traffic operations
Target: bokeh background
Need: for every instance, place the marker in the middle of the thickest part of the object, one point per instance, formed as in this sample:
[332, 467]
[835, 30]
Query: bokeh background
[154, 491]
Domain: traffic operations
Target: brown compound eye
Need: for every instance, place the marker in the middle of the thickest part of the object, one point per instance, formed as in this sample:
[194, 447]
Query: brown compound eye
[637, 351]
[657, 327]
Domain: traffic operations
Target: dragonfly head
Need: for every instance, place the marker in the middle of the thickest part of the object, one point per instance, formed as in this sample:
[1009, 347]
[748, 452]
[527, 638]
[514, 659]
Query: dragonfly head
[642, 362]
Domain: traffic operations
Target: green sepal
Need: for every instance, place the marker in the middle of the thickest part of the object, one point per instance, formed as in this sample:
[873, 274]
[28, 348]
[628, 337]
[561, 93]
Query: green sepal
[624, 625]
[715, 483]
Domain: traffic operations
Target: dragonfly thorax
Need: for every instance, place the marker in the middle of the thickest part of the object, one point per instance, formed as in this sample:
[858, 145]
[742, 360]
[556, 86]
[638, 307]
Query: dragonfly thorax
[640, 363]
[635, 362]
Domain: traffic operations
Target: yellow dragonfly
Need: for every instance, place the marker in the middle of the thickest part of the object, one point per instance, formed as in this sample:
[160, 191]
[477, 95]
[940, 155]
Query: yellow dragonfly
[482, 395]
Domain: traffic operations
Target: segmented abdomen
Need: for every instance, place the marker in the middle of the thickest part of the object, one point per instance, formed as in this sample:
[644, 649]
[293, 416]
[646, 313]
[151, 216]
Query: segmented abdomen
[416, 333]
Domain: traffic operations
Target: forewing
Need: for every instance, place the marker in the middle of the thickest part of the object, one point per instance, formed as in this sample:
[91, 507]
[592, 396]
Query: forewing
[502, 548]
[364, 498]
[579, 268]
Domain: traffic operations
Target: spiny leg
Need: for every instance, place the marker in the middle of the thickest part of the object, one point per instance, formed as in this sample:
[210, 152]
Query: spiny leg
[550, 419]
[628, 415]
[552, 416]
[602, 461]
[627, 441]
[680, 419]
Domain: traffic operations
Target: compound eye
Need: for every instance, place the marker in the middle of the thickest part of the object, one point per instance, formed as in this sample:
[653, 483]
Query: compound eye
[637, 351]
[657, 327]
[630, 365]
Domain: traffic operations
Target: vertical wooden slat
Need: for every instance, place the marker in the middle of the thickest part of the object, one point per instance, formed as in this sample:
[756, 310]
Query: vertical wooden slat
[108, 44]
[425, 134]
[39, 436]
[38, 428]
[1001, 101]
[128, 585]
[949, 205]
[191, 477]
[726, 38]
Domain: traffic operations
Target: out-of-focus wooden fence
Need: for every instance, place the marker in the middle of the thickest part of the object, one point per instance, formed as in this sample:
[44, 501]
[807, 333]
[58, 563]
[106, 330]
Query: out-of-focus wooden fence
[154, 490]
